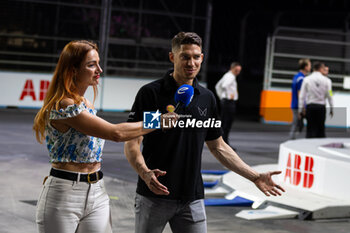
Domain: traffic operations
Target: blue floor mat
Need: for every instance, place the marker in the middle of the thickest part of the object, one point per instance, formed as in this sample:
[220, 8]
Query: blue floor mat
[214, 172]
[237, 201]
[210, 184]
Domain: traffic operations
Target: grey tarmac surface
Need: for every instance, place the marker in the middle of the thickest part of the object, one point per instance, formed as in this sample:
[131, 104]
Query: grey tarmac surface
[24, 164]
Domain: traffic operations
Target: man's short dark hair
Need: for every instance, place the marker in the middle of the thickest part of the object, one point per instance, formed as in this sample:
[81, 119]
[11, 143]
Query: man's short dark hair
[234, 64]
[303, 63]
[318, 65]
[185, 38]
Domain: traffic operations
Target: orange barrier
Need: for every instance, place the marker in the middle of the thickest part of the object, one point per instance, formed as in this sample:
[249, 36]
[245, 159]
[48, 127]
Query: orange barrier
[275, 106]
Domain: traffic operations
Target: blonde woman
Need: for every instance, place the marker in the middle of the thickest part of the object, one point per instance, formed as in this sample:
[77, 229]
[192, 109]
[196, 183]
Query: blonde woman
[74, 198]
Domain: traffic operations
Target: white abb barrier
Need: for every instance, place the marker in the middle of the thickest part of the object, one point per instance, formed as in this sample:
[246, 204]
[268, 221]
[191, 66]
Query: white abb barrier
[23, 89]
[321, 166]
[315, 175]
[27, 90]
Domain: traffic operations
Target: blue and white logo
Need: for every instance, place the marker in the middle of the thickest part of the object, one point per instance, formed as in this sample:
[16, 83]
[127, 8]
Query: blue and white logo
[182, 90]
[151, 120]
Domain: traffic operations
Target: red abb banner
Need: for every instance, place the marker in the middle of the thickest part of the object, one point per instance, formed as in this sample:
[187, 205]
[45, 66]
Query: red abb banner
[28, 90]
[295, 173]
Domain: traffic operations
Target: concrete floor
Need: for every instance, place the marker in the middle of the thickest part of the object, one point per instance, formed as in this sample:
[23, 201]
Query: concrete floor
[24, 164]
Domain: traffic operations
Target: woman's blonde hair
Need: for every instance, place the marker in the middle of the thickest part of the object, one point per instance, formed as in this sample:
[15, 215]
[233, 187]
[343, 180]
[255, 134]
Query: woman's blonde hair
[63, 83]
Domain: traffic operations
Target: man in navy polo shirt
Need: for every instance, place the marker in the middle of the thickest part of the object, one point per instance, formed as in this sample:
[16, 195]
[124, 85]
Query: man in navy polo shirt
[304, 68]
[170, 186]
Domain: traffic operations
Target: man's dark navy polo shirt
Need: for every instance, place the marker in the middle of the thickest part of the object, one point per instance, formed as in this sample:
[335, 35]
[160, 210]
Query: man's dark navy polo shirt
[177, 151]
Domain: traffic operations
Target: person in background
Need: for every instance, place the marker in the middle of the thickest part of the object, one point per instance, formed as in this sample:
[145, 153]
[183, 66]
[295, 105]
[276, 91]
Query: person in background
[316, 88]
[304, 69]
[325, 71]
[226, 89]
[73, 198]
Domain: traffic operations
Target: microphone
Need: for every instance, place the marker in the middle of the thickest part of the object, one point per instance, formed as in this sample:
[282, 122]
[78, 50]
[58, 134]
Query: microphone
[183, 96]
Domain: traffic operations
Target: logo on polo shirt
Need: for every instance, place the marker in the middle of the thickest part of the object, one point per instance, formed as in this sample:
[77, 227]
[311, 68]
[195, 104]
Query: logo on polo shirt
[202, 112]
[151, 120]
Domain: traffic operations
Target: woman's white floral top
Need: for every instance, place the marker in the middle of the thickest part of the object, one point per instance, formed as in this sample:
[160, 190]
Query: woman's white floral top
[72, 146]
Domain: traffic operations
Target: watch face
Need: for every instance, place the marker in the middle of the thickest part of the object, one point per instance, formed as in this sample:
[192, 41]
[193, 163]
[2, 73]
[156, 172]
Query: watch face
[170, 108]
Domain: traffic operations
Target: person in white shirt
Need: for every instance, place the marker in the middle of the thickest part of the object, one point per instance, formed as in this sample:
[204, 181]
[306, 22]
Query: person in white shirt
[316, 88]
[226, 89]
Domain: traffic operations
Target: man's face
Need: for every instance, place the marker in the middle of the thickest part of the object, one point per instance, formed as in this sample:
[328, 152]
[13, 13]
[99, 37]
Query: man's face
[187, 61]
[325, 70]
[308, 67]
[236, 70]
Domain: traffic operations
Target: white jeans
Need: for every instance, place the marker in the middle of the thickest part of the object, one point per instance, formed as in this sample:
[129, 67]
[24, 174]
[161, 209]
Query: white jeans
[66, 206]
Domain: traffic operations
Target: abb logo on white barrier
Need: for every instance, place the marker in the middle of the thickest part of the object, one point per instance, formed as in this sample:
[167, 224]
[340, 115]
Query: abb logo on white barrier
[295, 173]
[28, 90]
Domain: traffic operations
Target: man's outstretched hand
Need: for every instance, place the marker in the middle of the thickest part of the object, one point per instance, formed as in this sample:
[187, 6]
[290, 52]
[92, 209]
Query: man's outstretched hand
[266, 184]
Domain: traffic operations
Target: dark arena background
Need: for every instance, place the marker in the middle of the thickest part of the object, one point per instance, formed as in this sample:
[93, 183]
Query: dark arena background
[134, 36]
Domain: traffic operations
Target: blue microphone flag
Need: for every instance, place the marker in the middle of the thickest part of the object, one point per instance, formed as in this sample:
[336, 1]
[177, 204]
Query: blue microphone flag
[184, 95]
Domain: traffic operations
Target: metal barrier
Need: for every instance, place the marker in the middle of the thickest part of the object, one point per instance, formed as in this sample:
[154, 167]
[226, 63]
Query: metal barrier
[287, 45]
[134, 37]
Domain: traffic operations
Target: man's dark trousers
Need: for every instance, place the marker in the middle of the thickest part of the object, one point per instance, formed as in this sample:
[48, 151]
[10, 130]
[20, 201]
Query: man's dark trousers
[316, 117]
[228, 111]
